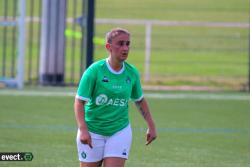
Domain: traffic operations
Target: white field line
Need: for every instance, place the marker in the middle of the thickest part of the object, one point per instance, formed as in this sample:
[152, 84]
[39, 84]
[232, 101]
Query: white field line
[204, 96]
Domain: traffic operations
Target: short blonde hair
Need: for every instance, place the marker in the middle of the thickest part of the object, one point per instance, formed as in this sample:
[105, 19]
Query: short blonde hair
[114, 33]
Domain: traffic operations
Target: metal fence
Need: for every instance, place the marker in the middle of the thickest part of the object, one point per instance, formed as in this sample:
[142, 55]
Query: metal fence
[167, 53]
[8, 38]
[74, 53]
[189, 54]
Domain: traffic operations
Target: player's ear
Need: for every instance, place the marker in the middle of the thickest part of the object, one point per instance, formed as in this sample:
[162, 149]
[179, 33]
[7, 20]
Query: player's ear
[108, 46]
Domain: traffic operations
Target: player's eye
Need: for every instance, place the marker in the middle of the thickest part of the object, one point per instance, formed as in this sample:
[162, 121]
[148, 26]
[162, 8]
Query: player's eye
[123, 43]
[127, 43]
[120, 43]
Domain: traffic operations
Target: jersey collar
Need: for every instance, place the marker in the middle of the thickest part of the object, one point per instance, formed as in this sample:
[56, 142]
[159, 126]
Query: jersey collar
[113, 71]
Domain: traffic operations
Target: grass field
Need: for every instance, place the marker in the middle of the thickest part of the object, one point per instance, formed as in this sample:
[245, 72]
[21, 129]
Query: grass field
[194, 129]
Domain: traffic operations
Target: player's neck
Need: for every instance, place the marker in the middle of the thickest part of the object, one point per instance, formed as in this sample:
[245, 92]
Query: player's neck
[115, 65]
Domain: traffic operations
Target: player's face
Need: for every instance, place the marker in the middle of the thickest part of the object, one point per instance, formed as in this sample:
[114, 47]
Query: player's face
[119, 48]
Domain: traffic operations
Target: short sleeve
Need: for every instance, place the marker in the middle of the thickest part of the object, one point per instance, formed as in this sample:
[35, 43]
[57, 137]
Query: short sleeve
[137, 93]
[86, 85]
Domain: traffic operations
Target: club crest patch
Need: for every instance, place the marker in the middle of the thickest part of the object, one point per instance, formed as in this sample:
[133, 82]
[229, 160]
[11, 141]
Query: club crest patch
[128, 80]
[84, 155]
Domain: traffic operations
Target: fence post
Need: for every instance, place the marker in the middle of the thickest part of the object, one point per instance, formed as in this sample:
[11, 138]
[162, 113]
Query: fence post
[248, 88]
[52, 42]
[90, 32]
[147, 51]
[21, 45]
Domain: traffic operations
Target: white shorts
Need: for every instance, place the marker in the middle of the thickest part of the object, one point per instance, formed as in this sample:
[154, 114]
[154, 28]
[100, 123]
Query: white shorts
[117, 145]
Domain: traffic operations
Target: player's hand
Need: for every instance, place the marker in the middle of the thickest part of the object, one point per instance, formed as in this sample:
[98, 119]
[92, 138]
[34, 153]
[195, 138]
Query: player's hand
[85, 138]
[150, 136]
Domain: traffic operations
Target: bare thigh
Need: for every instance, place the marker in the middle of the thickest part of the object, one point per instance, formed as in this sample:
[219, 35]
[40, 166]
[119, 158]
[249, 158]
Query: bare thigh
[91, 164]
[114, 162]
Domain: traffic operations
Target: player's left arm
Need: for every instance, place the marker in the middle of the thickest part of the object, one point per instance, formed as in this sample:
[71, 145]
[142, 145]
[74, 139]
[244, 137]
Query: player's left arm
[142, 106]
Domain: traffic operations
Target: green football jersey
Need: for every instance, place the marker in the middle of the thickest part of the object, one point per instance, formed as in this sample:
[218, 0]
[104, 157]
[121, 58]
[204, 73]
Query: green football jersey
[107, 93]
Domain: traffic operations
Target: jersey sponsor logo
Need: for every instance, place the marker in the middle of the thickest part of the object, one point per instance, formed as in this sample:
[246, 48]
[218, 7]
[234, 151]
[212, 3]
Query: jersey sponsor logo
[103, 99]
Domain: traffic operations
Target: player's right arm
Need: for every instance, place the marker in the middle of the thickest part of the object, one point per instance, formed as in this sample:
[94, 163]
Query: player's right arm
[85, 137]
[83, 95]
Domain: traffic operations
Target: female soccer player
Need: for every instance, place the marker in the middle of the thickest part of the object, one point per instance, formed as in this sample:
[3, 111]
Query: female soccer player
[101, 106]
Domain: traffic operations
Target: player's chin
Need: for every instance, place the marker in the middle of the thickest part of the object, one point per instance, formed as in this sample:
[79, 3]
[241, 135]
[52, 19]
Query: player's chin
[123, 57]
